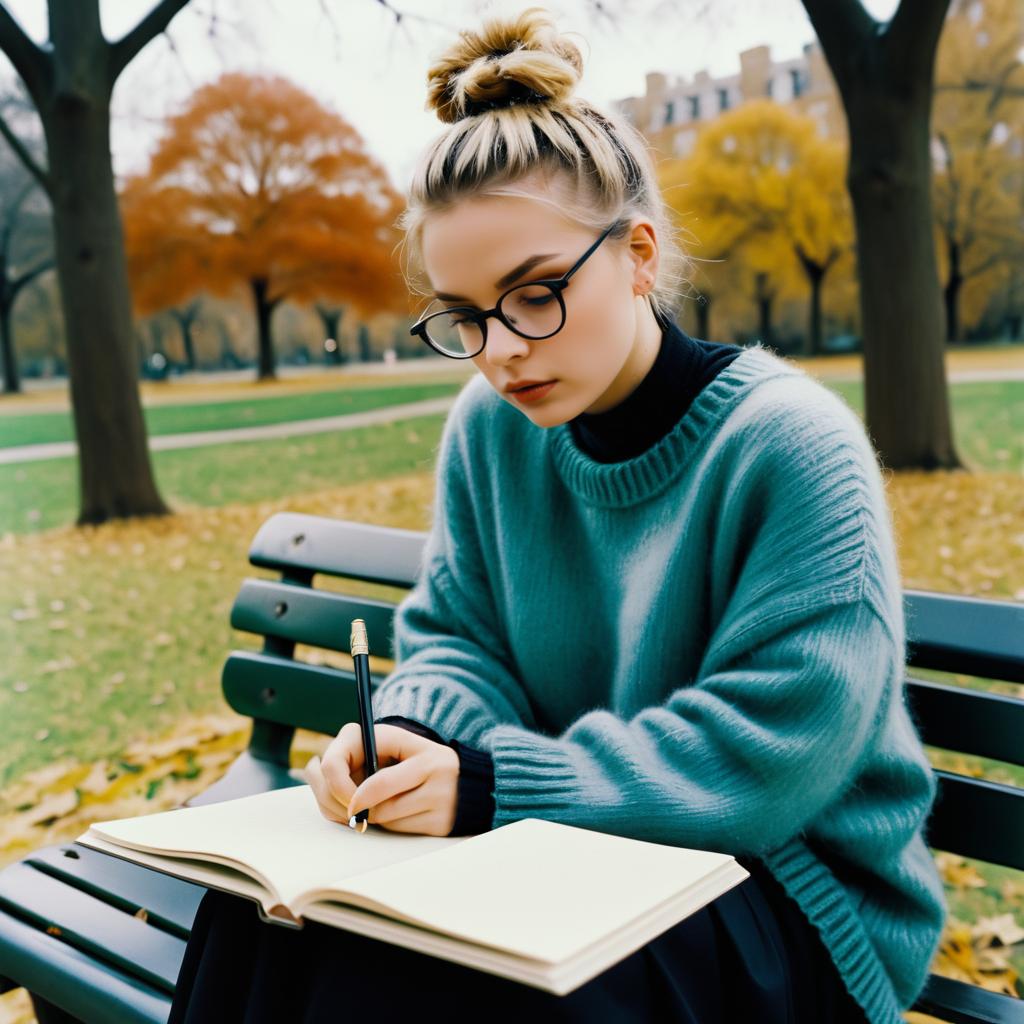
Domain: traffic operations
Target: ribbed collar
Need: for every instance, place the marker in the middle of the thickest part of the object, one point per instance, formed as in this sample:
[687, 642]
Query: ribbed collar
[630, 481]
[682, 367]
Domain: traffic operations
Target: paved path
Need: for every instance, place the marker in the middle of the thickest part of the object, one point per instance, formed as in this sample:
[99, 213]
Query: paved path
[956, 377]
[202, 438]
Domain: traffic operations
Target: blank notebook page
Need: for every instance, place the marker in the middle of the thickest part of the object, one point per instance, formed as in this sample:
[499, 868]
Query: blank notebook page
[280, 833]
[537, 888]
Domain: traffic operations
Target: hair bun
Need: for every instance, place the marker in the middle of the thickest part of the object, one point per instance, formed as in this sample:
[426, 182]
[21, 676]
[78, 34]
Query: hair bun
[522, 59]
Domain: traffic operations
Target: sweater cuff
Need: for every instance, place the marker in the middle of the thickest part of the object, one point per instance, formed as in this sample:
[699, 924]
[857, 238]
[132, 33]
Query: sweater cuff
[455, 713]
[407, 723]
[474, 812]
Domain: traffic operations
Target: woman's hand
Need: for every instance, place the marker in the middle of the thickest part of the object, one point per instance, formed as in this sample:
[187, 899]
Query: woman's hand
[414, 789]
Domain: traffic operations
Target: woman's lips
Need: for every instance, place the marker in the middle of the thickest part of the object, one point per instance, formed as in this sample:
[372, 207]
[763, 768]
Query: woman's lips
[535, 393]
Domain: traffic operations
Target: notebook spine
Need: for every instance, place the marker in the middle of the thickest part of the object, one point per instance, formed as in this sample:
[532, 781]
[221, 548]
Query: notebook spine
[279, 914]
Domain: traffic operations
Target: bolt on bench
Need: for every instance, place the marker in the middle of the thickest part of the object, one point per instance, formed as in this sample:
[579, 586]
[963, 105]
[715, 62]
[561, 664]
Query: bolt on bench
[96, 939]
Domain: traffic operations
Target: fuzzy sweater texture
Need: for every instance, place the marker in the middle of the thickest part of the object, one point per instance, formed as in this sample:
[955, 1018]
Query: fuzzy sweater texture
[702, 644]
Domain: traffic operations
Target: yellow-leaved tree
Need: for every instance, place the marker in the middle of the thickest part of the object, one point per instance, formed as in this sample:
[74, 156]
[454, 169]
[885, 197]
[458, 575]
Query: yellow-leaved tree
[978, 131]
[768, 190]
[256, 185]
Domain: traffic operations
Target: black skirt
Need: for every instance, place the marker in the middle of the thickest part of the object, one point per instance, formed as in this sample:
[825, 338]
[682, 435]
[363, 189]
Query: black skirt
[750, 955]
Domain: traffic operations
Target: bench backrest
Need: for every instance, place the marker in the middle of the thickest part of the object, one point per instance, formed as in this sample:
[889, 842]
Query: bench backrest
[971, 636]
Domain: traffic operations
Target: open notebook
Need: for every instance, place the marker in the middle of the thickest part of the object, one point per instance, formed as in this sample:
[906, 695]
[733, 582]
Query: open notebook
[542, 903]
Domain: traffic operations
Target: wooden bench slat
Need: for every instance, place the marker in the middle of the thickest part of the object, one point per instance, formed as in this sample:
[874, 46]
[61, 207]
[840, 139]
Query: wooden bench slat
[170, 903]
[977, 818]
[92, 926]
[319, 618]
[317, 697]
[969, 635]
[969, 721]
[316, 544]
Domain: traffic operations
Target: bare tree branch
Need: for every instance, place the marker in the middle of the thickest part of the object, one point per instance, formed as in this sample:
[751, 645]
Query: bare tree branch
[843, 28]
[21, 280]
[41, 175]
[912, 36]
[128, 46]
[971, 85]
[10, 218]
[31, 63]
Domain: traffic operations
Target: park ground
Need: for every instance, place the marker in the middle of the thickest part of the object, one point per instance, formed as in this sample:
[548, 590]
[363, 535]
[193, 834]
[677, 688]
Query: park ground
[114, 636]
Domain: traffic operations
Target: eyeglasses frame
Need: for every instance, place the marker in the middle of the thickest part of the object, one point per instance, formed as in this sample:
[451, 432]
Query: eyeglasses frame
[558, 285]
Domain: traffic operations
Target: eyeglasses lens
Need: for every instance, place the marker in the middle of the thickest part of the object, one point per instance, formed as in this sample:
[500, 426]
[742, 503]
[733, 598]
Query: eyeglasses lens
[532, 309]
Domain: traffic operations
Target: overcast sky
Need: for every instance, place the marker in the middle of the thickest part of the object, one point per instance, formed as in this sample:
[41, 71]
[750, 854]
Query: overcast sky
[355, 58]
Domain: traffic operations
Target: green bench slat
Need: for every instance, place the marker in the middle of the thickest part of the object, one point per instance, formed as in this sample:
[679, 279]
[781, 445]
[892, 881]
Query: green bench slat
[317, 697]
[969, 721]
[246, 776]
[317, 544]
[92, 926]
[319, 618]
[959, 1002]
[971, 635]
[170, 903]
[980, 819]
[88, 989]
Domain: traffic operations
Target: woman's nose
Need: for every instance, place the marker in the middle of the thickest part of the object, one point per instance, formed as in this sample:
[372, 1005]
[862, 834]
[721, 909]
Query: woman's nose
[503, 344]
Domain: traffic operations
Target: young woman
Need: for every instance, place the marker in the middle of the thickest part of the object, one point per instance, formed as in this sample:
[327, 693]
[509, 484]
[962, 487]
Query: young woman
[660, 598]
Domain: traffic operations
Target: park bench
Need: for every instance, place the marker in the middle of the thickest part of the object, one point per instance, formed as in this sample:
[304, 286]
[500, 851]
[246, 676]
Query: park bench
[97, 939]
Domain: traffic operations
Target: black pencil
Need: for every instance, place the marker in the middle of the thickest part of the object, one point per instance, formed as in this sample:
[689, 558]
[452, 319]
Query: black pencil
[360, 649]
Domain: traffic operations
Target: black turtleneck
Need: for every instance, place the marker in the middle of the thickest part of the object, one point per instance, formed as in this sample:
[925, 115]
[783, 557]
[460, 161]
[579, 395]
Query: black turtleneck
[683, 366]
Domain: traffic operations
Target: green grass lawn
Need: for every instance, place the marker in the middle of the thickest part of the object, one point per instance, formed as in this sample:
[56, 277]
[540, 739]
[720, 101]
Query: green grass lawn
[40, 495]
[41, 428]
[95, 632]
[988, 419]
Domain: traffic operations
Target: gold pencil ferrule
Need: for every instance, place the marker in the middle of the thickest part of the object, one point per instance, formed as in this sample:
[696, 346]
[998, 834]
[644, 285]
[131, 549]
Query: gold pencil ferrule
[358, 642]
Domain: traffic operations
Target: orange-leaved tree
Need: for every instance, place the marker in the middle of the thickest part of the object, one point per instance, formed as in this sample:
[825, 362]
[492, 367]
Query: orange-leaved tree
[763, 179]
[256, 185]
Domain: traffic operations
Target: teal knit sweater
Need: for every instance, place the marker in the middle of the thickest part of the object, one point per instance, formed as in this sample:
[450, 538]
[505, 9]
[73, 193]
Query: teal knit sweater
[702, 645]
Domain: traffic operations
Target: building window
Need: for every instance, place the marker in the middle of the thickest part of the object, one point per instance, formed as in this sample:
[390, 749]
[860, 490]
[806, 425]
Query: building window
[694, 107]
[723, 99]
[768, 87]
[799, 82]
[669, 111]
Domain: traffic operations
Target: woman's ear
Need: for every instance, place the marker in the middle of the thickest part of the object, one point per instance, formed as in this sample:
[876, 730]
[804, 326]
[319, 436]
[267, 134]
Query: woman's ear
[643, 251]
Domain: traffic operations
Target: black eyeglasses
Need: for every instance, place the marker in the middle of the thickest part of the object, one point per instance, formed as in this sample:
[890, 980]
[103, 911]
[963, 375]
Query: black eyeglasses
[535, 311]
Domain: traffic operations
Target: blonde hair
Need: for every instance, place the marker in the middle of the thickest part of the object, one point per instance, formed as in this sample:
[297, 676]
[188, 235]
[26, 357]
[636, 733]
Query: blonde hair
[515, 128]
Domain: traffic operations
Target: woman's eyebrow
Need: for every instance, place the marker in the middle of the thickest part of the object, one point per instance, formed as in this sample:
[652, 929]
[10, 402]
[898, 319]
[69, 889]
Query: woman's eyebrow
[510, 278]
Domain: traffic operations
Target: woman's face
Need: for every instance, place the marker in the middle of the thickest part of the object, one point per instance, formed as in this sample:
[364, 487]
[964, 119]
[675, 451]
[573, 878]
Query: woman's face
[610, 337]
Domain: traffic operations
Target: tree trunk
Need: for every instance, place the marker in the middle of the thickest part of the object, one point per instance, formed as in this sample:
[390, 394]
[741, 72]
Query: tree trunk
[12, 378]
[227, 352]
[114, 468]
[365, 351]
[884, 73]
[816, 279]
[764, 311]
[704, 316]
[951, 293]
[70, 80]
[188, 344]
[264, 311]
[331, 318]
